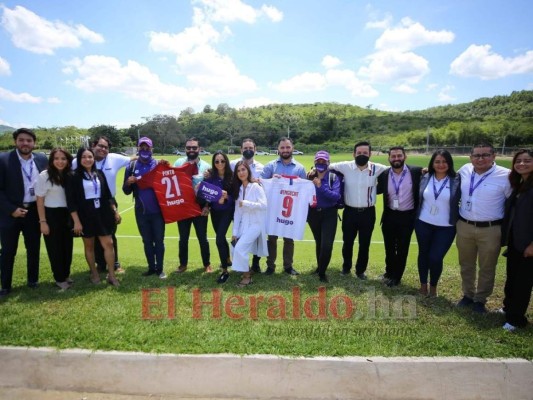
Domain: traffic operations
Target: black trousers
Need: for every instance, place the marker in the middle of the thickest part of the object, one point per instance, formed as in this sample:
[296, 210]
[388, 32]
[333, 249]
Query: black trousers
[221, 220]
[323, 224]
[59, 242]
[184, 228]
[9, 239]
[357, 221]
[397, 228]
[518, 287]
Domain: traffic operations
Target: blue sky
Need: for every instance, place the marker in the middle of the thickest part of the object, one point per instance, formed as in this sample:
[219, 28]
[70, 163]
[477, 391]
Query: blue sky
[114, 62]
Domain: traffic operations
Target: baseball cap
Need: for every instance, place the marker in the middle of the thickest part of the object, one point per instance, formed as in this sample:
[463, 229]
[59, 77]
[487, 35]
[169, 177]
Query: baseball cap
[322, 155]
[146, 140]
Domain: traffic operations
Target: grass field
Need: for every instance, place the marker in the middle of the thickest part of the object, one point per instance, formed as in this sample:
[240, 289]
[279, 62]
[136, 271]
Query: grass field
[279, 314]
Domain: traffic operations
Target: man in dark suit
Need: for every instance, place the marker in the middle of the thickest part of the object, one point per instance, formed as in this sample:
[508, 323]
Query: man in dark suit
[399, 185]
[19, 170]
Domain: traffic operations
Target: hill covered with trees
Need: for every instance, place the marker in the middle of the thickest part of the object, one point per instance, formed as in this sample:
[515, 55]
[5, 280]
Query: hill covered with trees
[502, 120]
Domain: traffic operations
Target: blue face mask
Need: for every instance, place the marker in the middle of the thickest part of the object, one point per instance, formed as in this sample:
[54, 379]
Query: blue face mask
[145, 155]
[321, 167]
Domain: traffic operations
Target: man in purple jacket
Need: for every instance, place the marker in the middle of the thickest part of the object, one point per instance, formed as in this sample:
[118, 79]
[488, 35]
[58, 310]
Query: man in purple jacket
[147, 212]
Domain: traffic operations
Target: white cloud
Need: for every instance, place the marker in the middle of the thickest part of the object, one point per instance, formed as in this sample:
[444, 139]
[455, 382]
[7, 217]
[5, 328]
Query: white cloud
[347, 79]
[53, 100]
[38, 35]
[445, 96]
[480, 61]
[395, 66]
[410, 35]
[404, 88]
[5, 69]
[257, 101]
[305, 82]
[431, 86]
[235, 10]
[8, 95]
[379, 24]
[330, 62]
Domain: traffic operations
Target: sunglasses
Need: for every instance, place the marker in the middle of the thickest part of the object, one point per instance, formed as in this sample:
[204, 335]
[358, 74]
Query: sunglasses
[191, 147]
[220, 161]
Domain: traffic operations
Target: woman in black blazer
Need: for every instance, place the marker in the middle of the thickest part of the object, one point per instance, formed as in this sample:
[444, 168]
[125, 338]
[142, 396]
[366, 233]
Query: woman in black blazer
[517, 235]
[93, 211]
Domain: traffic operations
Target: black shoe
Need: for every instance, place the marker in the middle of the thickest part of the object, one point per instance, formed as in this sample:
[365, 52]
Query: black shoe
[479, 307]
[4, 292]
[385, 277]
[150, 272]
[465, 302]
[256, 269]
[33, 285]
[345, 272]
[323, 278]
[361, 276]
[269, 271]
[392, 282]
[315, 272]
[223, 277]
[291, 271]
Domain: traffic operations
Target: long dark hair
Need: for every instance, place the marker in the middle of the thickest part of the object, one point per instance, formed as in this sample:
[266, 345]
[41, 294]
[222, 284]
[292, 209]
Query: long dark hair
[228, 173]
[517, 183]
[449, 160]
[236, 181]
[56, 176]
[79, 168]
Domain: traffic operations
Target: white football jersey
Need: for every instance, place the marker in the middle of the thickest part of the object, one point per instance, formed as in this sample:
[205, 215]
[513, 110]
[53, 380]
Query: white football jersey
[288, 202]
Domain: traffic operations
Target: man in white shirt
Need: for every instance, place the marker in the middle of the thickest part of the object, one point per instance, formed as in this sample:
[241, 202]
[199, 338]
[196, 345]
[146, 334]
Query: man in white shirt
[484, 188]
[359, 216]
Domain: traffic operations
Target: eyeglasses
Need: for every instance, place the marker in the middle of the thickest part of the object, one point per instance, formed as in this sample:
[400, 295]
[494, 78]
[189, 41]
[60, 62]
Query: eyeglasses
[481, 155]
[220, 161]
[103, 146]
[191, 147]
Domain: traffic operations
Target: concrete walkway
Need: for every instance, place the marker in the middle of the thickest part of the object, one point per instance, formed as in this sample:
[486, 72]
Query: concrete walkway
[82, 374]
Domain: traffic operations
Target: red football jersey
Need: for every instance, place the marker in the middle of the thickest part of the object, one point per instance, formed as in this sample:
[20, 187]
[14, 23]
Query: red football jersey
[174, 191]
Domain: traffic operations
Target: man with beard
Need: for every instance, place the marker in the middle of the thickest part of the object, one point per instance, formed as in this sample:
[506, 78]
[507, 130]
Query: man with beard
[192, 149]
[284, 165]
[359, 216]
[19, 170]
[248, 153]
[399, 185]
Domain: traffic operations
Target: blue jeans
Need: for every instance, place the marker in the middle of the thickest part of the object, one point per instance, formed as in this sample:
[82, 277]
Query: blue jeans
[152, 230]
[433, 244]
[221, 220]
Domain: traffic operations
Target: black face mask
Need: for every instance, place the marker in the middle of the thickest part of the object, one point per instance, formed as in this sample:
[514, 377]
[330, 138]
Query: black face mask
[361, 160]
[192, 155]
[248, 154]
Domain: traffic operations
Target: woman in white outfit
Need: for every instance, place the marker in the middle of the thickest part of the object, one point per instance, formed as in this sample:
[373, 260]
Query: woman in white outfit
[249, 235]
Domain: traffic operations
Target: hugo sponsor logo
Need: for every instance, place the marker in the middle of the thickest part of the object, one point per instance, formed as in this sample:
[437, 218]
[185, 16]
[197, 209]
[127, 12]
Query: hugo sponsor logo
[209, 190]
[284, 221]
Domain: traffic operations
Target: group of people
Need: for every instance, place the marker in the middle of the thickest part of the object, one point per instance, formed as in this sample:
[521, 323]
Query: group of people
[482, 206]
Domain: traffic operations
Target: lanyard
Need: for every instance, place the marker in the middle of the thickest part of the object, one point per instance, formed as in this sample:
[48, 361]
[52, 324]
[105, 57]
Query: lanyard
[397, 187]
[474, 187]
[28, 176]
[93, 178]
[437, 193]
[103, 164]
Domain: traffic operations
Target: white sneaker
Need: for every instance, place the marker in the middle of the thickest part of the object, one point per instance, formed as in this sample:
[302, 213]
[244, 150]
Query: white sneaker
[162, 275]
[509, 328]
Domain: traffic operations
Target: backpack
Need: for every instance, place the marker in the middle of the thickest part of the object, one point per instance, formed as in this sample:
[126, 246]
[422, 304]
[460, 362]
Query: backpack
[334, 175]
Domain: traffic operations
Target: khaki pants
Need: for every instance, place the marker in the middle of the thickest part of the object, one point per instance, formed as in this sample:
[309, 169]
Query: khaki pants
[481, 245]
[288, 252]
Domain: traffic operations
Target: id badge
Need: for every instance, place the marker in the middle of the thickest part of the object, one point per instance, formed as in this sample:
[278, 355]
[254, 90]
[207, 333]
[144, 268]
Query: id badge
[468, 205]
[32, 192]
[395, 204]
[96, 203]
[434, 210]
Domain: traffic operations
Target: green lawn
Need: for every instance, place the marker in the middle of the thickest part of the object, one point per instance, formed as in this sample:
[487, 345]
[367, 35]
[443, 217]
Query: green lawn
[383, 321]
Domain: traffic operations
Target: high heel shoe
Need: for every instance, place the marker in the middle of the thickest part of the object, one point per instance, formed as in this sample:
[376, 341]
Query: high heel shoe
[95, 279]
[113, 281]
[243, 283]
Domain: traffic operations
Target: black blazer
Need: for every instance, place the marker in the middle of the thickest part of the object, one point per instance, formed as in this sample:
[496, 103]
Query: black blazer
[518, 220]
[12, 184]
[383, 186]
[76, 194]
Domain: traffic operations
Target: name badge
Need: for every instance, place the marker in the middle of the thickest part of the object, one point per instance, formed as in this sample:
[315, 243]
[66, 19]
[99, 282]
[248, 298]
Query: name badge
[468, 205]
[434, 210]
[96, 203]
[32, 192]
[395, 204]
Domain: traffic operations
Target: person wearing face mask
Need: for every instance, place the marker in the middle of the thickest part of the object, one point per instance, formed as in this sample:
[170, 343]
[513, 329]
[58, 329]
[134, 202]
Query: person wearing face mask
[322, 219]
[256, 168]
[148, 215]
[192, 149]
[399, 186]
[359, 216]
